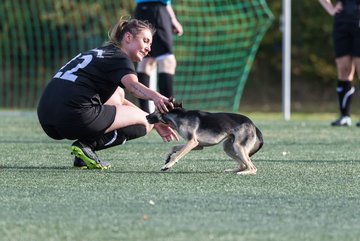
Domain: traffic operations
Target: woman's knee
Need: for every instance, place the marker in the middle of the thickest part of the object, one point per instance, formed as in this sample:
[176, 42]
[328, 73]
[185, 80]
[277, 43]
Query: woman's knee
[129, 115]
[345, 67]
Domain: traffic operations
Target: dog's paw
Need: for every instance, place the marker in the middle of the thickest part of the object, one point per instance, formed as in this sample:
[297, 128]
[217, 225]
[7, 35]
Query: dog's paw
[168, 165]
[247, 172]
[165, 168]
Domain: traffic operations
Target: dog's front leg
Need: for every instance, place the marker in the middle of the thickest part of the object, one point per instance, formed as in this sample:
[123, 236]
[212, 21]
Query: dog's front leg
[177, 148]
[184, 149]
[173, 150]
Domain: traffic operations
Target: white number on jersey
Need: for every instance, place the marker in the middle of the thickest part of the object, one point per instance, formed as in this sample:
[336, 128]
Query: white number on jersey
[68, 75]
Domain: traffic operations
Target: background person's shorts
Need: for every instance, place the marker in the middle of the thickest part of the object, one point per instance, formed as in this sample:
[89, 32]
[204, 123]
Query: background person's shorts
[346, 38]
[158, 16]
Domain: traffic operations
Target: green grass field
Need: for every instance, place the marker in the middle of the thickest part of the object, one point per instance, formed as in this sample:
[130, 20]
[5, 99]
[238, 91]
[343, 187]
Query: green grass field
[307, 187]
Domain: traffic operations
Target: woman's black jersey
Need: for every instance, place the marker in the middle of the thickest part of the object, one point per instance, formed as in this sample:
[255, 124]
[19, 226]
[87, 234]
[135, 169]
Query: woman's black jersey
[89, 79]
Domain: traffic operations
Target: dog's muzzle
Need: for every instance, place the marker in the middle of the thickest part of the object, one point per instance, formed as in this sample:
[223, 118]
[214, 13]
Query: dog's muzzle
[154, 118]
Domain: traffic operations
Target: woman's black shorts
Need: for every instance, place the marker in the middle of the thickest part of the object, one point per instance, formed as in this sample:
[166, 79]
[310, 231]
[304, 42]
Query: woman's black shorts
[157, 14]
[346, 38]
[90, 124]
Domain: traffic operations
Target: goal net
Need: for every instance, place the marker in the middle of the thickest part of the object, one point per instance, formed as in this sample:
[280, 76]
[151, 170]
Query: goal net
[214, 55]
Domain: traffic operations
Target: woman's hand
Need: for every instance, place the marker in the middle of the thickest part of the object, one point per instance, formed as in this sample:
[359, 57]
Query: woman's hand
[337, 8]
[166, 132]
[177, 27]
[163, 104]
[330, 8]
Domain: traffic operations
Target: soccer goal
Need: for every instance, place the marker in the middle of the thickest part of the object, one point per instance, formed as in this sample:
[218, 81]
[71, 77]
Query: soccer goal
[215, 54]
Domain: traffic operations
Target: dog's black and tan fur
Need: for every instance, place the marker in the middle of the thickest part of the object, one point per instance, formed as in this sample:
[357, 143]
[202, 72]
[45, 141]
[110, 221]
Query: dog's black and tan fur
[200, 129]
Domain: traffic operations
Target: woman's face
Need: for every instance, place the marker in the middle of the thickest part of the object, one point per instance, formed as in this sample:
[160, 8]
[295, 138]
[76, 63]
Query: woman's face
[137, 47]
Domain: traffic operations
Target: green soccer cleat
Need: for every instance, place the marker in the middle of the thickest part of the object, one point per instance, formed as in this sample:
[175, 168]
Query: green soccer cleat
[79, 163]
[85, 157]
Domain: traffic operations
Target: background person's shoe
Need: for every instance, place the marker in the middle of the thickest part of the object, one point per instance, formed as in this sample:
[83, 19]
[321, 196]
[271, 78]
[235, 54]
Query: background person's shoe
[342, 121]
[87, 156]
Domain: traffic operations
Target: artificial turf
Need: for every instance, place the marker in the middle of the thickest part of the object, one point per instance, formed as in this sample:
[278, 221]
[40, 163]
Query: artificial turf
[306, 188]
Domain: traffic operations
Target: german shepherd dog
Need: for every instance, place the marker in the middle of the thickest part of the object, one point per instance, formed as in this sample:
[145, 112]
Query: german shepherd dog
[199, 129]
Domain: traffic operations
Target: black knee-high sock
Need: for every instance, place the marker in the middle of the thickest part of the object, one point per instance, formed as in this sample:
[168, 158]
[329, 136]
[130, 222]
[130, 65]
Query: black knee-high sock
[345, 91]
[166, 84]
[119, 136]
[145, 80]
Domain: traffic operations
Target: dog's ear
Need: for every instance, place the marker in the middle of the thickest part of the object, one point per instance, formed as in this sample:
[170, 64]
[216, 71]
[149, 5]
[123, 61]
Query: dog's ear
[176, 104]
[179, 104]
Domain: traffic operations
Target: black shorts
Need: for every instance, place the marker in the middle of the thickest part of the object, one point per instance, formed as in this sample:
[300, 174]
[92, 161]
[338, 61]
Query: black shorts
[158, 16]
[90, 124]
[346, 38]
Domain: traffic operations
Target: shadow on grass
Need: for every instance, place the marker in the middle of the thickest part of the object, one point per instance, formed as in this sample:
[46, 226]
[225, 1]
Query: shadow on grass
[307, 161]
[114, 170]
[37, 168]
[110, 171]
[277, 161]
[33, 142]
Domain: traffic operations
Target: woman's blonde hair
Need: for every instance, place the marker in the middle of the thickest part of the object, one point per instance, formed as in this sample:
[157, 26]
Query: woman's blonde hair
[133, 26]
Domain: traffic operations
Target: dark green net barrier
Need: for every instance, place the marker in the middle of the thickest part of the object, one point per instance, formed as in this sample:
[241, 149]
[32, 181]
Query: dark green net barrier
[214, 55]
[217, 50]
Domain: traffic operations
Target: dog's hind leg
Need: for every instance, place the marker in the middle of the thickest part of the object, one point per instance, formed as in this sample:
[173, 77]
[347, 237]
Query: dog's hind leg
[250, 167]
[229, 150]
[238, 152]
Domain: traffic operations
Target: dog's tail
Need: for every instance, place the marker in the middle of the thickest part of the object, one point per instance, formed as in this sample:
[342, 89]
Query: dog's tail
[259, 142]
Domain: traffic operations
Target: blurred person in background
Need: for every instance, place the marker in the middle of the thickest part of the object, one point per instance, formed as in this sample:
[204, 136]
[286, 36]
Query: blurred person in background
[160, 14]
[85, 100]
[346, 42]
